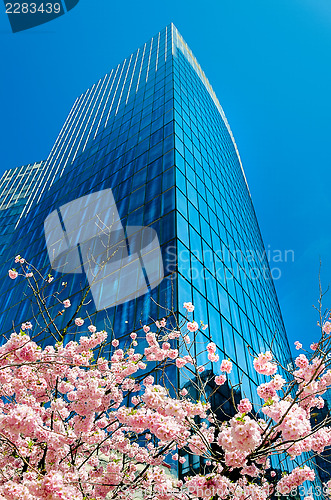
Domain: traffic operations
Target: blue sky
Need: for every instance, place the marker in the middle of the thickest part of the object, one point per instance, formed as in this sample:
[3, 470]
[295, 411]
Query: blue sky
[269, 64]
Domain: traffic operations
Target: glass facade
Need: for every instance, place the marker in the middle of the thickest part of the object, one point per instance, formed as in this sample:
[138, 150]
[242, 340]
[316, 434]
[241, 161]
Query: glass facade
[153, 131]
[18, 186]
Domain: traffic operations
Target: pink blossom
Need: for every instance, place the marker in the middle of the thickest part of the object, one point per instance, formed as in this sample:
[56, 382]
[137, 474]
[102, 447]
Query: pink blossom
[146, 328]
[226, 366]
[180, 362]
[102, 364]
[220, 379]
[12, 274]
[173, 353]
[82, 397]
[302, 361]
[250, 470]
[213, 357]
[79, 321]
[197, 444]
[66, 303]
[211, 347]
[245, 406]
[192, 326]
[189, 306]
[298, 345]
[314, 346]
[161, 324]
[295, 479]
[278, 382]
[243, 435]
[148, 380]
[262, 364]
[266, 391]
[26, 326]
[327, 327]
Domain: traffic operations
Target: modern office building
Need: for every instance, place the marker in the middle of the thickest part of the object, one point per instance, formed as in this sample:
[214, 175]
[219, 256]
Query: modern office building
[153, 131]
[152, 138]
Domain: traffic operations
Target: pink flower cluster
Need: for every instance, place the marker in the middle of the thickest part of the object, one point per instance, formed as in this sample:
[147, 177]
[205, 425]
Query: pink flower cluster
[83, 419]
[157, 352]
[226, 366]
[245, 406]
[212, 356]
[189, 306]
[79, 321]
[26, 326]
[263, 365]
[12, 274]
[192, 326]
[220, 379]
[298, 476]
[268, 390]
[326, 327]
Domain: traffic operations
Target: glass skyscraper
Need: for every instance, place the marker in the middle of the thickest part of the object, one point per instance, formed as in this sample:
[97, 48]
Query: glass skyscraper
[153, 132]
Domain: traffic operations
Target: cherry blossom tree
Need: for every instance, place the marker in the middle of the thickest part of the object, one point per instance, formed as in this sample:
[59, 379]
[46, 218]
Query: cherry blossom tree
[99, 419]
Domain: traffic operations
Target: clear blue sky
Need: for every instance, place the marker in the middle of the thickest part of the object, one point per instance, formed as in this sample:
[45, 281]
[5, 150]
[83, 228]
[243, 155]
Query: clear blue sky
[269, 64]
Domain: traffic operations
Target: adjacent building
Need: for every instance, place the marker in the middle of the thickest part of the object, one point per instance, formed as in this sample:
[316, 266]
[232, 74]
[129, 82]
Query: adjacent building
[17, 187]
